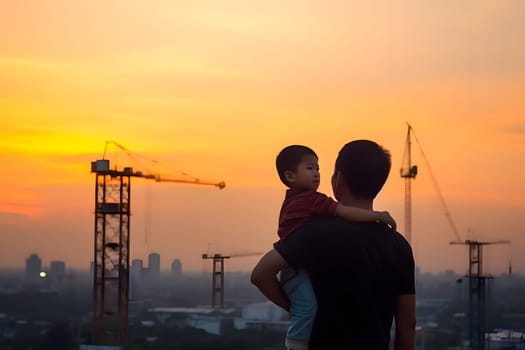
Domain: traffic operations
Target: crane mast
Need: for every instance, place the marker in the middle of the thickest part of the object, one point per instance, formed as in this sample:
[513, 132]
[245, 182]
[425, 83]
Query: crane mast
[408, 172]
[111, 258]
[477, 288]
[217, 289]
[217, 276]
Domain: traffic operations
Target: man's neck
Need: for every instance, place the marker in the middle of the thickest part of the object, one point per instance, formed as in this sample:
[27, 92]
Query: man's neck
[351, 201]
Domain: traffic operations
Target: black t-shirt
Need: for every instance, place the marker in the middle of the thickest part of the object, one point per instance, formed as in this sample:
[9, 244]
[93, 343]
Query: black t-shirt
[358, 270]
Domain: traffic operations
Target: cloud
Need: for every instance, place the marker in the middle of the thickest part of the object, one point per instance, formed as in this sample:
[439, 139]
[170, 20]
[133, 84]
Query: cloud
[17, 215]
[515, 129]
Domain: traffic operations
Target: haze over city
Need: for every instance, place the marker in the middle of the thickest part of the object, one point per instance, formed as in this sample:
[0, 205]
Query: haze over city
[215, 90]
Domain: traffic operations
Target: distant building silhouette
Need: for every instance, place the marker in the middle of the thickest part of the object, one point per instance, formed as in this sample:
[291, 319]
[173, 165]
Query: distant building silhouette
[33, 266]
[136, 275]
[137, 267]
[154, 264]
[176, 268]
[57, 271]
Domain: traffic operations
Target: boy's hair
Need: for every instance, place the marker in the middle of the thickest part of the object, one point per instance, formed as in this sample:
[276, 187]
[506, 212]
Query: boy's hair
[365, 166]
[289, 158]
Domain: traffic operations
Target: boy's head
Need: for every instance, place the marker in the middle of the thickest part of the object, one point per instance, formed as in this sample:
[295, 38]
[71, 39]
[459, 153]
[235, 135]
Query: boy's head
[365, 166]
[298, 167]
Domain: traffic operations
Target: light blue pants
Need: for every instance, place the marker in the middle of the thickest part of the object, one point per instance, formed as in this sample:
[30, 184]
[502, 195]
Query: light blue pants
[303, 307]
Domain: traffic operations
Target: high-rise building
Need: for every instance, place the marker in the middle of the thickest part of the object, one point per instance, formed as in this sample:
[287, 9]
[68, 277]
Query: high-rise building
[136, 275]
[137, 268]
[154, 264]
[176, 267]
[33, 266]
[57, 270]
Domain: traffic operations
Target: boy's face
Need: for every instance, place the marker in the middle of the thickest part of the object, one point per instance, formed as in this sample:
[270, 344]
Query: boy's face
[307, 175]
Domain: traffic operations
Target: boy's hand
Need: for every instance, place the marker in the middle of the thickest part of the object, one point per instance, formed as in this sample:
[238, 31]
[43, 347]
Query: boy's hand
[386, 218]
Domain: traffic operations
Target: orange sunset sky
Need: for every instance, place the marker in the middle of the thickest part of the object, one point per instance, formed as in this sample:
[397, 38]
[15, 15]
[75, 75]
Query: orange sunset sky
[216, 88]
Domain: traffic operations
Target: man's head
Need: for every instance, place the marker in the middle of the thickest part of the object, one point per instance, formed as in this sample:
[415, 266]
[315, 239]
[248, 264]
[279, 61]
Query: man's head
[364, 166]
[298, 167]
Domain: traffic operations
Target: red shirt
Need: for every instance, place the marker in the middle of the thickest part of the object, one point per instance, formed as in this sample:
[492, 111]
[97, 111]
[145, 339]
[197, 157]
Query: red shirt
[300, 206]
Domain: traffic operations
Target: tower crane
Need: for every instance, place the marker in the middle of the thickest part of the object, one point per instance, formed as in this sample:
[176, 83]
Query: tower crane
[217, 276]
[409, 172]
[112, 245]
[477, 291]
[476, 278]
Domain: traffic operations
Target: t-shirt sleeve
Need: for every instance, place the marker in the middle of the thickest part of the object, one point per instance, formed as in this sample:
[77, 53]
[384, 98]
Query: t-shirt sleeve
[407, 282]
[321, 204]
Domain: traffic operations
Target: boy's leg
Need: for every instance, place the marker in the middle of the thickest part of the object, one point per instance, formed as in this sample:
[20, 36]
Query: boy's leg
[303, 307]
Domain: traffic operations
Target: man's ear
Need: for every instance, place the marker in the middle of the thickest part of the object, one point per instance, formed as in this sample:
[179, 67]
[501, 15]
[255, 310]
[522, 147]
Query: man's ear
[337, 182]
[289, 176]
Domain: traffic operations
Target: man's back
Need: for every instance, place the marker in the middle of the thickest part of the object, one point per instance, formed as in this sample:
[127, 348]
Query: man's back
[358, 270]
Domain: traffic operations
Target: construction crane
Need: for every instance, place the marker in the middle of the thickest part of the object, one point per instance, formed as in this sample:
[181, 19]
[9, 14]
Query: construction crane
[408, 172]
[217, 276]
[476, 278]
[112, 245]
[477, 291]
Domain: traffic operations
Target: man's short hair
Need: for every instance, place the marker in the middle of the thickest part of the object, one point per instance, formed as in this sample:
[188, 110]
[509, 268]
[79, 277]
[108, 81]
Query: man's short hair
[365, 165]
[289, 158]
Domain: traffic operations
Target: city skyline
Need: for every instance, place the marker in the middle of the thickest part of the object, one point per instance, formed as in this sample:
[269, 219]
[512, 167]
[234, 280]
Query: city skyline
[176, 266]
[34, 264]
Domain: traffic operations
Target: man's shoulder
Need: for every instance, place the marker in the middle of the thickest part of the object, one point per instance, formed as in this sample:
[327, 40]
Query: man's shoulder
[323, 225]
[338, 222]
[323, 221]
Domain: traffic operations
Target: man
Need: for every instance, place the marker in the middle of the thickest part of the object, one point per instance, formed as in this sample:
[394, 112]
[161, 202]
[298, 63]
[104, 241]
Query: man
[362, 273]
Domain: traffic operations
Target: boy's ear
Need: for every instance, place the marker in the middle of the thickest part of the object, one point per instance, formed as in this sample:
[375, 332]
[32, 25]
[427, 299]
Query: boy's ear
[289, 176]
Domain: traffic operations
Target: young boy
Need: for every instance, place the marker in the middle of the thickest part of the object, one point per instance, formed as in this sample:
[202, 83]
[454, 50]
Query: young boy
[298, 169]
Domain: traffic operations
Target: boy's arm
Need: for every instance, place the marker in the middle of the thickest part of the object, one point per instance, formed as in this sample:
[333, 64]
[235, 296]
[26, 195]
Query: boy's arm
[364, 215]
